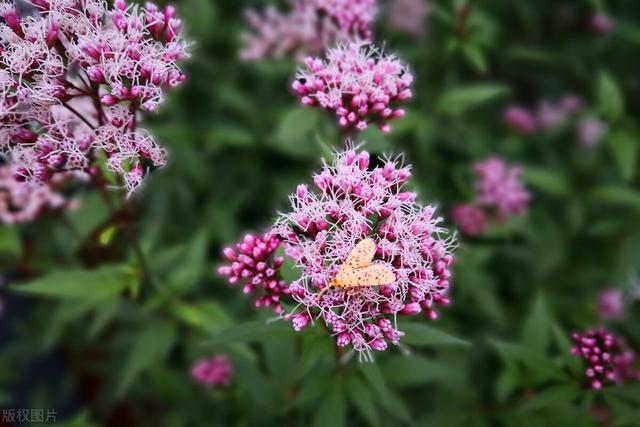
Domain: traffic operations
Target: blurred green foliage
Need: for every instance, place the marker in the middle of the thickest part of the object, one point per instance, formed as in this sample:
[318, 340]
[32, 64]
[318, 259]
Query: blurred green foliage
[106, 341]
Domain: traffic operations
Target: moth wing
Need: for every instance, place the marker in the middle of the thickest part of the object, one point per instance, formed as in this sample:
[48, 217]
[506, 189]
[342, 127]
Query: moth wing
[373, 275]
[361, 255]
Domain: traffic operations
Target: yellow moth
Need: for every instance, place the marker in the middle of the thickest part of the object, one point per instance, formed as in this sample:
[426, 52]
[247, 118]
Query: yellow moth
[357, 270]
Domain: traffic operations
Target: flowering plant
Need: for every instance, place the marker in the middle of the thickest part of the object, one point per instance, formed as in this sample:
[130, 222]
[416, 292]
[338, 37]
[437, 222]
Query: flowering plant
[309, 27]
[74, 77]
[353, 201]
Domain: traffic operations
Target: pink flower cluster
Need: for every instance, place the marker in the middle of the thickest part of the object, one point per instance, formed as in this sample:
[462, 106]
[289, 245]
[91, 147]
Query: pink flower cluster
[308, 28]
[498, 187]
[609, 359]
[550, 115]
[215, 371]
[409, 16]
[590, 131]
[499, 194]
[354, 200]
[601, 23]
[253, 262]
[471, 219]
[359, 83]
[611, 304]
[22, 202]
[72, 80]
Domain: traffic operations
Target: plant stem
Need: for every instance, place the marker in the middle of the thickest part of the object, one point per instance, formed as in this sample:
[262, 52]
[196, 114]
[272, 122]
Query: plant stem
[80, 116]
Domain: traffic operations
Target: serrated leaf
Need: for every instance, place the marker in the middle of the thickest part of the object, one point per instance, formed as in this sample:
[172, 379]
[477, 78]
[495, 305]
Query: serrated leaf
[90, 284]
[460, 99]
[610, 100]
[251, 331]
[420, 334]
[148, 347]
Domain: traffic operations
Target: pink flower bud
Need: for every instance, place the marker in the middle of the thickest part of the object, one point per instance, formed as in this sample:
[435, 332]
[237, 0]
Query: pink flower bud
[108, 100]
[411, 309]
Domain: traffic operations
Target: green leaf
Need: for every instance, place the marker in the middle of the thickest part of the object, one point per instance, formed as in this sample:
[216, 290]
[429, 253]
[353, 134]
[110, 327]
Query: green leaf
[507, 382]
[547, 181]
[564, 347]
[610, 101]
[106, 236]
[460, 99]
[421, 334]
[10, 240]
[207, 316]
[314, 349]
[190, 265]
[66, 312]
[629, 392]
[333, 411]
[561, 394]
[251, 331]
[363, 399]
[535, 362]
[103, 314]
[616, 196]
[261, 391]
[90, 215]
[624, 149]
[390, 401]
[229, 136]
[297, 132]
[149, 346]
[199, 15]
[536, 332]
[82, 419]
[91, 284]
[410, 370]
[316, 385]
[476, 57]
